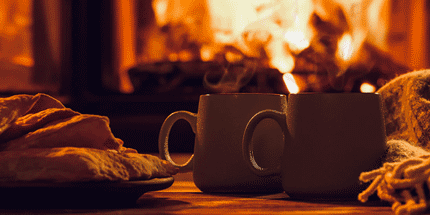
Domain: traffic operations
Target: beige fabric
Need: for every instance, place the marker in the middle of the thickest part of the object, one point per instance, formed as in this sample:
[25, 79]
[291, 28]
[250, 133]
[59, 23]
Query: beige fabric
[41, 140]
[31, 122]
[67, 164]
[82, 130]
[407, 108]
[404, 178]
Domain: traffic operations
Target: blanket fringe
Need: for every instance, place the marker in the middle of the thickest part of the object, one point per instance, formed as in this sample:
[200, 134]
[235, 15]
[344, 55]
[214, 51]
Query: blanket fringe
[403, 184]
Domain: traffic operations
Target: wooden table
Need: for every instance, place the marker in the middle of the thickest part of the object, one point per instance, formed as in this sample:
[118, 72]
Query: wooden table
[183, 197]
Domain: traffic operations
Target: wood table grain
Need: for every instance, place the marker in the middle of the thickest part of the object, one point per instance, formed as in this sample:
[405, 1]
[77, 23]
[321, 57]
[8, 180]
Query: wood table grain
[183, 197]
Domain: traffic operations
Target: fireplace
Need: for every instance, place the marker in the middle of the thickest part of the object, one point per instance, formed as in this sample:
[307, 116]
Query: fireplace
[136, 61]
[314, 46]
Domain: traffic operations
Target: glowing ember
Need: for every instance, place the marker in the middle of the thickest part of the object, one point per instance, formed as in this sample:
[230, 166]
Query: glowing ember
[283, 64]
[173, 57]
[233, 57]
[185, 56]
[327, 37]
[296, 40]
[345, 47]
[23, 60]
[290, 82]
[279, 57]
[367, 88]
[160, 9]
[206, 53]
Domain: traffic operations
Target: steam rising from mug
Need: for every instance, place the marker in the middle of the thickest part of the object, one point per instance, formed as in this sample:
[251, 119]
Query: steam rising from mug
[231, 80]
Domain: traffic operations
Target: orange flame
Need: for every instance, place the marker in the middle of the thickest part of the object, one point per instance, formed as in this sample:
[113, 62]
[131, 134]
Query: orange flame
[296, 40]
[344, 47]
[290, 82]
[207, 53]
[23, 60]
[367, 88]
[277, 30]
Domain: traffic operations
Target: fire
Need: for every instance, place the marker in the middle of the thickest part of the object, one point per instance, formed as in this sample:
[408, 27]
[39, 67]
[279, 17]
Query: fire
[173, 57]
[290, 82]
[284, 62]
[233, 57]
[185, 56]
[345, 47]
[367, 88]
[206, 53]
[23, 60]
[275, 31]
[160, 9]
[296, 40]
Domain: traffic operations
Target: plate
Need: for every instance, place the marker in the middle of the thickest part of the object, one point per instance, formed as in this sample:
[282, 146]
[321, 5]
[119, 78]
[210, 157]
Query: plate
[106, 194]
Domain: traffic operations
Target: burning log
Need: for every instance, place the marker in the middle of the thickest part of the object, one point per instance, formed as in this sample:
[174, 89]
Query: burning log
[325, 46]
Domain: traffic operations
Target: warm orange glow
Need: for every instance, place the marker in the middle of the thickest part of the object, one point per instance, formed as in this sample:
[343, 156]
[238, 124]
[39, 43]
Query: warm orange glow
[344, 47]
[367, 88]
[10, 30]
[233, 57]
[296, 40]
[206, 53]
[279, 57]
[23, 60]
[125, 48]
[290, 82]
[185, 56]
[279, 31]
[378, 23]
[160, 10]
[283, 65]
[16, 19]
[229, 18]
[173, 57]
[418, 34]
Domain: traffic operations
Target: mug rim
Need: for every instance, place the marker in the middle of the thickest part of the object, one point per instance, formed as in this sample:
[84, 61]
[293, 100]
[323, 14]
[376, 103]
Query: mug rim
[333, 94]
[341, 93]
[241, 94]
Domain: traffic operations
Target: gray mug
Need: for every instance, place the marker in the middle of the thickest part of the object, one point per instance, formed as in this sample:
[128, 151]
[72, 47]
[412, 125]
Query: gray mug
[217, 163]
[330, 138]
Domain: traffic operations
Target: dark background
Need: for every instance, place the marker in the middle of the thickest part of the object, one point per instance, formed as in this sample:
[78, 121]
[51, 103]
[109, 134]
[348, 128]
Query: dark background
[136, 119]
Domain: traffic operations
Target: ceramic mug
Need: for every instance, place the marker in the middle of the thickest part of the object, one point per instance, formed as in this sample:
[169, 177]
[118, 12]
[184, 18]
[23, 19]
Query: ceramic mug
[217, 162]
[330, 138]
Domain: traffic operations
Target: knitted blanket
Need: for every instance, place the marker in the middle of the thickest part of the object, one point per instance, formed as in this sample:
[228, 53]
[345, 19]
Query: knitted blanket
[404, 178]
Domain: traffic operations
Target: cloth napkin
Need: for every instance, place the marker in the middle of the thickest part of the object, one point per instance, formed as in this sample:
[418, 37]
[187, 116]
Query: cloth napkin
[42, 140]
[41, 121]
[404, 178]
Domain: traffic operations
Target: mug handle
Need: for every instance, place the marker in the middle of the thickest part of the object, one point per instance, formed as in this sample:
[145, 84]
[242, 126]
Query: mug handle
[247, 149]
[163, 138]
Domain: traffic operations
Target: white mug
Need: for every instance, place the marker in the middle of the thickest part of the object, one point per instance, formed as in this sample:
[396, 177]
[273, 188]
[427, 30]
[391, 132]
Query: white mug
[330, 138]
[217, 162]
